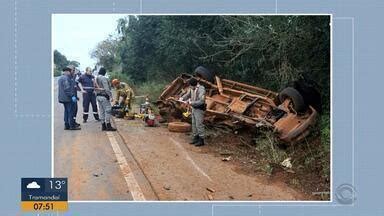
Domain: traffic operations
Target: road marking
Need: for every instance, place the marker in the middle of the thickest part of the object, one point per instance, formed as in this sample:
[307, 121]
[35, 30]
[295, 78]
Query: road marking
[132, 184]
[190, 159]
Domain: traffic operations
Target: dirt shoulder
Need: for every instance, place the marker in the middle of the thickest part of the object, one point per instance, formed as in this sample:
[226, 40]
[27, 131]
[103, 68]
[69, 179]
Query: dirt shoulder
[254, 154]
[179, 171]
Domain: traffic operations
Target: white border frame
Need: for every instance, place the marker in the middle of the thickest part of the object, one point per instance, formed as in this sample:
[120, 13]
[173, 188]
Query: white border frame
[246, 203]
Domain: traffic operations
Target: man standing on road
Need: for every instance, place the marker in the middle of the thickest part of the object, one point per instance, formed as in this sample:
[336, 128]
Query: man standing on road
[87, 81]
[67, 96]
[104, 98]
[195, 97]
[74, 76]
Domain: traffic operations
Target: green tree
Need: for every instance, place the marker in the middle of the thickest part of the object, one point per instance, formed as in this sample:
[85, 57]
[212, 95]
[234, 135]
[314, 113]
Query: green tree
[60, 61]
[268, 51]
[106, 53]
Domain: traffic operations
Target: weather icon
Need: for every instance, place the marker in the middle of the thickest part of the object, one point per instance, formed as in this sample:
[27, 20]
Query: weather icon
[33, 185]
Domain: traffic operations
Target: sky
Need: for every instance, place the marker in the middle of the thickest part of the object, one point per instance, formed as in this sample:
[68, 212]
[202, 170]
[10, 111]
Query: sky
[76, 35]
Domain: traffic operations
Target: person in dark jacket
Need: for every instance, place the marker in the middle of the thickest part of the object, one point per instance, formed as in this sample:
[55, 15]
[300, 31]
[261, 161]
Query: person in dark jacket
[75, 74]
[87, 81]
[67, 96]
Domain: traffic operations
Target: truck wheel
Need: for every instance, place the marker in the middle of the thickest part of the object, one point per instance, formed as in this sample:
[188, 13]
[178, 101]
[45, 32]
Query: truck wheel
[296, 98]
[180, 127]
[205, 74]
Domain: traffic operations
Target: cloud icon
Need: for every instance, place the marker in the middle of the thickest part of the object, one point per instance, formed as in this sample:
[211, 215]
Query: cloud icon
[33, 185]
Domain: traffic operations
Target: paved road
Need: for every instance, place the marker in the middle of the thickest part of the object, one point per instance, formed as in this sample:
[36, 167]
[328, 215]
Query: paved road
[98, 164]
[143, 163]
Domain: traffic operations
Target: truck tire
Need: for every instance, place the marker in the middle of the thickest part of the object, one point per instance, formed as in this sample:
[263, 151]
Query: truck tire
[205, 74]
[309, 90]
[296, 98]
[180, 127]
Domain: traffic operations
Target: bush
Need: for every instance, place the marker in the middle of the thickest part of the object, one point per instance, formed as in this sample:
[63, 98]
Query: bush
[152, 89]
[56, 73]
[267, 144]
[325, 131]
[325, 143]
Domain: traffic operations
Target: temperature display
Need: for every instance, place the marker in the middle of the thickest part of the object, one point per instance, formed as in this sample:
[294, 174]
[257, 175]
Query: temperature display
[44, 194]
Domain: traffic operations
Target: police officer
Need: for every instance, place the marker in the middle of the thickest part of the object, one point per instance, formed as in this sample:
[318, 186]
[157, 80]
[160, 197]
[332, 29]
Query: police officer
[67, 96]
[87, 81]
[124, 95]
[104, 98]
[195, 97]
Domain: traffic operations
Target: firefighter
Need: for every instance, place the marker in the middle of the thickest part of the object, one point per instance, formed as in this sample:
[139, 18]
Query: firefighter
[195, 97]
[124, 95]
[87, 81]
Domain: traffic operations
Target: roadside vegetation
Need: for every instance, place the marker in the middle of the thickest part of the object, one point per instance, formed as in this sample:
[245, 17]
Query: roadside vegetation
[60, 61]
[266, 51]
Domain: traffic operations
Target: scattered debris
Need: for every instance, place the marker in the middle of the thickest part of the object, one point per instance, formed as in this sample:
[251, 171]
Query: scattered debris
[290, 170]
[231, 197]
[250, 195]
[95, 174]
[167, 187]
[210, 197]
[287, 163]
[210, 190]
[226, 158]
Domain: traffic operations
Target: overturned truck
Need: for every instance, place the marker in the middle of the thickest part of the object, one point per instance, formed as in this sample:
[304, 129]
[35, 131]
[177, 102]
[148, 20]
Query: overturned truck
[237, 104]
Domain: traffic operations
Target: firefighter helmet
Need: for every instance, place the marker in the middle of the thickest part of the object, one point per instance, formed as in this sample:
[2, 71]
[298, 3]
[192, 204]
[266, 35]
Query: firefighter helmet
[115, 82]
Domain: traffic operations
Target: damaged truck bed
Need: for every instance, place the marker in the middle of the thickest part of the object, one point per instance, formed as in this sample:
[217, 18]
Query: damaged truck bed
[238, 104]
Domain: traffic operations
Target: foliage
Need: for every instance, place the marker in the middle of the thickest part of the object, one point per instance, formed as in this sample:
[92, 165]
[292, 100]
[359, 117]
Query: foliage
[60, 61]
[106, 53]
[268, 51]
[152, 89]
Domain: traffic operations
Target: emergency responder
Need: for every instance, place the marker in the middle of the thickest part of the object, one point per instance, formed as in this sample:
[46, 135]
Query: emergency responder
[87, 81]
[195, 97]
[104, 98]
[124, 95]
[67, 96]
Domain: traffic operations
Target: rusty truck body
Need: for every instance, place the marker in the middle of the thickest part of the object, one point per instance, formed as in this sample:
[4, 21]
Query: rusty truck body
[238, 104]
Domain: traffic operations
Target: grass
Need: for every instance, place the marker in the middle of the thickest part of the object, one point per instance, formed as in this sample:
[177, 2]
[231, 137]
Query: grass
[310, 157]
[152, 89]
[267, 145]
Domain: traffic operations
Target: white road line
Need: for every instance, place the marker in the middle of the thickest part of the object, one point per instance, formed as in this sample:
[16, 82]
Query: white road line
[190, 159]
[132, 184]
